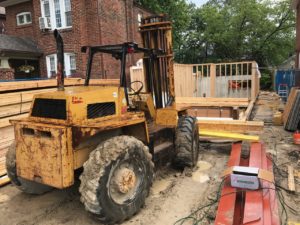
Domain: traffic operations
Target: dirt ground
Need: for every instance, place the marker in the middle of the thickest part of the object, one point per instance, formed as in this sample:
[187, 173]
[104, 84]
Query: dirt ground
[174, 195]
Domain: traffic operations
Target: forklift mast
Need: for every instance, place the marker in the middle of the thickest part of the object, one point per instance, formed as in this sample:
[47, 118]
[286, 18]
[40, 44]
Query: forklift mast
[156, 32]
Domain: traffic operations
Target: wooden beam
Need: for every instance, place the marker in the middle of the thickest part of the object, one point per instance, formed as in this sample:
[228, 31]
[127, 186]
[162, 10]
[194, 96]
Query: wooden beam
[291, 179]
[233, 125]
[4, 122]
[4, 180]
[12, 110]
[188, 102]
[228, 135]
[21, 96]
[19, 85]
[248, 111]
[201, 99]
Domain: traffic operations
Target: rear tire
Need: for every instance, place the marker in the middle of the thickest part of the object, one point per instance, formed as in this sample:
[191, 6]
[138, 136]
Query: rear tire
[27, 186]
[116, 179]
[186, 142]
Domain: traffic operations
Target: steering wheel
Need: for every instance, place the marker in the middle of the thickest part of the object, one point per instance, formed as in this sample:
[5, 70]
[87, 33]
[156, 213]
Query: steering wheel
[136, 92]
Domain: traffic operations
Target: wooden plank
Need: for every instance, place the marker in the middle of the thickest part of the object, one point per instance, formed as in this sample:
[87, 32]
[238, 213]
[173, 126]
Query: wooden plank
[19, 85]
[227, 135]
[291, 179]
[212, 80]
[248, 111]
[208, 99]
[289, 104]
[4, 122]
[4, 180]
[21, 97]
[2, 167]
[233, 125]
[12, 110]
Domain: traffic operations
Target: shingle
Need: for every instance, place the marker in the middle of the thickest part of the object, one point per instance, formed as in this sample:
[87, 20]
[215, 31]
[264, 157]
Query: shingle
[16, 44]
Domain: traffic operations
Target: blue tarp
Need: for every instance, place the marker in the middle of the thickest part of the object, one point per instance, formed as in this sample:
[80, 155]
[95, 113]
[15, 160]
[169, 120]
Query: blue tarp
[284, 77]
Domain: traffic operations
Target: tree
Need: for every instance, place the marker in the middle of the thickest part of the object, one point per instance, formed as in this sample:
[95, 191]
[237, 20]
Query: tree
[178, 12]
[232, 30]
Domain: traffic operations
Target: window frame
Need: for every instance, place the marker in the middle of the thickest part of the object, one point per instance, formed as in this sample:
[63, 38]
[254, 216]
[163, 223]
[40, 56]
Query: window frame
[67, 69]
[53, 24]
[25, 18]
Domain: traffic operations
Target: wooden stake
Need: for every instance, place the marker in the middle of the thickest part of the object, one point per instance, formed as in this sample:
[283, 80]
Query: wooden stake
[291, 179]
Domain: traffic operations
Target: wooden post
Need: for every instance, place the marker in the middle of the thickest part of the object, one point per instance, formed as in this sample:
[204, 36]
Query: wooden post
[212, 80]
[253, 81]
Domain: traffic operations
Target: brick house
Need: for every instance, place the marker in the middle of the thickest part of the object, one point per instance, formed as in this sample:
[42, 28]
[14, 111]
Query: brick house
[80, 22]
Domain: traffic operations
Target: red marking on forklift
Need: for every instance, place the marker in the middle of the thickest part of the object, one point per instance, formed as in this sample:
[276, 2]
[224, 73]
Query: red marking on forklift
[77, 100]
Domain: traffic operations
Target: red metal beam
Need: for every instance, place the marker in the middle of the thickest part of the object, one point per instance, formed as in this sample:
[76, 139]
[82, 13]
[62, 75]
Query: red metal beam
[226, 208]
[253, 213]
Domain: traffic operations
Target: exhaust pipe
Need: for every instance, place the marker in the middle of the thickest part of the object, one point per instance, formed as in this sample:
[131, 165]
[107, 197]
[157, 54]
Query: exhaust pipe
[60, 60]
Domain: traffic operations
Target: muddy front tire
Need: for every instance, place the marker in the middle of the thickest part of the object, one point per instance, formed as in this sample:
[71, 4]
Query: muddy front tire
[186, 142]
[27, 186]
[116, 179]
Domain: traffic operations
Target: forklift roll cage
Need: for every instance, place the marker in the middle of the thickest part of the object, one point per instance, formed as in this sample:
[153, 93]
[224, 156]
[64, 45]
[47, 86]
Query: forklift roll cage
[119, 52]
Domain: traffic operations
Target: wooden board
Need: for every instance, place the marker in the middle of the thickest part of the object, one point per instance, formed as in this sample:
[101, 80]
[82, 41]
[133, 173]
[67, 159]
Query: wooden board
[12, 110]
[19, 85]
[228, 135]
[4, 122]
[231, 125]
[21, 96]
[248, 111]
[4, 180]
[291, 179]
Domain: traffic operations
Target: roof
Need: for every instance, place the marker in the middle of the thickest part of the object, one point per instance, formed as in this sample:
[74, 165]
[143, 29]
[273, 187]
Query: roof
[18, 45]
[5, 3]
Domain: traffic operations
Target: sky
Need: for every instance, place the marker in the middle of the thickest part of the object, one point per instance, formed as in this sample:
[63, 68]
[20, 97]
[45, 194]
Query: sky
[198, 2]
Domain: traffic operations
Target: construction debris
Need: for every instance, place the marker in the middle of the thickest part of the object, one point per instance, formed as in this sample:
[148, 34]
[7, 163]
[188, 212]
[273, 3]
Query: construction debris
[291, 115]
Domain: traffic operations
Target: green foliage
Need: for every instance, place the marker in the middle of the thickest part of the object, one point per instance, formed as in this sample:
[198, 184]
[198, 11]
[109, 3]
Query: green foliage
[230, 30]
[179, 13]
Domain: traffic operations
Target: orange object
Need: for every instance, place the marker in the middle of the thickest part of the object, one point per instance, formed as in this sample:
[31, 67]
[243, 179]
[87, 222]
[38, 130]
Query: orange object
[297, 138]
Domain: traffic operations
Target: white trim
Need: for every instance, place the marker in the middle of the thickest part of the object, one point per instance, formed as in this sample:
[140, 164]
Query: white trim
[48, 64]
[25, 18]
[67, 68]
[52, 14]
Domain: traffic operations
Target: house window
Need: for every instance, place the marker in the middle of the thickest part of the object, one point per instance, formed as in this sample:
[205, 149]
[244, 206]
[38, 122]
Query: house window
[140, 16]
[51, 65]
[24, 18]
[70, 64]
[59, 13]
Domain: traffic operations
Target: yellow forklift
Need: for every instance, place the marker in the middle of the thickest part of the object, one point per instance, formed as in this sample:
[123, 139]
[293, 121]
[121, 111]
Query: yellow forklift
[111, 132]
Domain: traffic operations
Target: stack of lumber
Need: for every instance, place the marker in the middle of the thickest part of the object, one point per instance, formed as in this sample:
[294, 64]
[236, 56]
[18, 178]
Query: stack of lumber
[38, 84]
[291, 113]
[15, 104]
